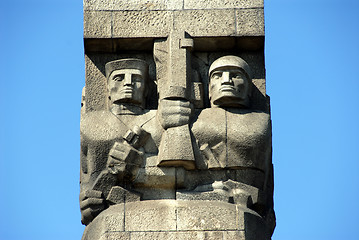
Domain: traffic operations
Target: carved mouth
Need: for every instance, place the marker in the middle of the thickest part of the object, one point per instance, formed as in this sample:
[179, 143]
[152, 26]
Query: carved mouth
[227, 88]
[127, 90]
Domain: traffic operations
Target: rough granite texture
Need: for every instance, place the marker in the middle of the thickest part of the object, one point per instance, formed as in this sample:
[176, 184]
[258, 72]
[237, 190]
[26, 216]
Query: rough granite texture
[141, 23]
[133, 5]
[222, 4]
[175, 121]
[250, 22]
[150, 23]
[169, 4]
[176, 219]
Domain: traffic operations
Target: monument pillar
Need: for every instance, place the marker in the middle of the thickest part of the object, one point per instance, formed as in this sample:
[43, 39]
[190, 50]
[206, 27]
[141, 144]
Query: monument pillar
[175, 121]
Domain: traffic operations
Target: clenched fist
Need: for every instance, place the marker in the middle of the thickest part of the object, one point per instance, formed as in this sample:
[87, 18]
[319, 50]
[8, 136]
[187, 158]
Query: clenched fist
[174, 113]
[91, 204]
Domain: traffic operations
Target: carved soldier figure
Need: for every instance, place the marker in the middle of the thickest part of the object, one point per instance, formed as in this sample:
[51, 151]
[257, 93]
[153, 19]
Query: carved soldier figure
[189, 158]
[233, 141]
[241, 138]
[120, 146]
[229, 82]
[115, 143]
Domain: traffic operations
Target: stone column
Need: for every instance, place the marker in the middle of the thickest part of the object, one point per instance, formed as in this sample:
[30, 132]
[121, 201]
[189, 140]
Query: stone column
[175, 121]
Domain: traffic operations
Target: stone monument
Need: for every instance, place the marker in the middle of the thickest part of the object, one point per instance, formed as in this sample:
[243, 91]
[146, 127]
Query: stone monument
[175, 121]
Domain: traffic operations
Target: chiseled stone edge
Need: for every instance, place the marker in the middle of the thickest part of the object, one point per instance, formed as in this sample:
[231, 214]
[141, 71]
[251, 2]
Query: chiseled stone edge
[144, 5]
[222, 4]
[169, 4]
[157, 24]
[250, 22]
[97, 24]
[173, 215]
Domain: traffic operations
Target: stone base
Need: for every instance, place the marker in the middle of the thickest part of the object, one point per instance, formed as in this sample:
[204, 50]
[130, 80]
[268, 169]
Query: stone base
[176, 219]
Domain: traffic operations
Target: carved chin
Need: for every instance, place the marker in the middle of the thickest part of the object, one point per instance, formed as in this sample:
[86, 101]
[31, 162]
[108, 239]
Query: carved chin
[229, 100]
[120, 97]
[127, 98]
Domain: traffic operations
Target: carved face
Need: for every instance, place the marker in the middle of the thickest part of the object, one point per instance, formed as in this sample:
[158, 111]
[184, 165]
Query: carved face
[127, 86]
[228, 87]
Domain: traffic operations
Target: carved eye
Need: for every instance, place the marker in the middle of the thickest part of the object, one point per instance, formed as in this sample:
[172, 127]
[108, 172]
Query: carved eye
[118, 78]
[137, 78]
[216, 75]
[236, 75]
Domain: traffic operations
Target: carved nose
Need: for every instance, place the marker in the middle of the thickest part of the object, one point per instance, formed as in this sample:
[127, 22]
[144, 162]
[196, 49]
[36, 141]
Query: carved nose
[128, 79]
[226, 79]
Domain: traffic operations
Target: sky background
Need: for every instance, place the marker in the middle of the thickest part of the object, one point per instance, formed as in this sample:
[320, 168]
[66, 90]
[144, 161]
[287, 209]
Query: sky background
[312, 49]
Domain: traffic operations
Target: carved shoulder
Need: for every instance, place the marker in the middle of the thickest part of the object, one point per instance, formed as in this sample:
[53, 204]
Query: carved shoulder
[101, 126]
[252, 126]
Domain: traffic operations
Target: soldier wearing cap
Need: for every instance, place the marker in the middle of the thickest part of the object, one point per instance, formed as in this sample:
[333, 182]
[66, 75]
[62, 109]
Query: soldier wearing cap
[229, 82]
[230, 119]
[233, 140]
[126, 82]
[116, 142]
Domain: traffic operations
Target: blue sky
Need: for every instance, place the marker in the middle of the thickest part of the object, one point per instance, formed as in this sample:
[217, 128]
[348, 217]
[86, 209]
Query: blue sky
[312, 49]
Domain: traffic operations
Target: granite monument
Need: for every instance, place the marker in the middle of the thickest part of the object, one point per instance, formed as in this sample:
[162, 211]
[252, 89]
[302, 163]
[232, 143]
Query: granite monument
[175, 121]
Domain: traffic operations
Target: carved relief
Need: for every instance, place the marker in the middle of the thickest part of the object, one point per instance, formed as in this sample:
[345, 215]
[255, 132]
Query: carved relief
[175, 122]
[116, 142]
[179, 151]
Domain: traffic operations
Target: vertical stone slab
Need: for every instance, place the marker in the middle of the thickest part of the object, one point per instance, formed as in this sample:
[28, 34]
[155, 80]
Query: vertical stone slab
[205, 22]
[146, 5]
[133, 24]
[150, 216]
[183, 129]
[250, 22]
[97, 24]
[222, 4]
[210, 216]
[95, 93]
[112, 220]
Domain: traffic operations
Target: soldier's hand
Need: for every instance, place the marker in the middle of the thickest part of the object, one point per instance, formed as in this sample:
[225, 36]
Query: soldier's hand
[124, 159]
[91, 204]
[174, 113]
[120, 150]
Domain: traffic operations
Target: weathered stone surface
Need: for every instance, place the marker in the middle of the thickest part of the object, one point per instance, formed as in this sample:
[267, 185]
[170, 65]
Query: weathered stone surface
[222, 4]
[215, 195]
[186, 153]
[160, 193]
[95, 87]
[116, 236]
[169, 4]
[215, 128]
[250, 22]
[234, 235]
[132, 24]
[175, 130]
[97, 24]
[192, 179]
[173, 219]
[133, 5]
[260, 84]
[119, 195]
[155, 177]
[200, 235]
[199, 23]
[159, 235]
[250, 146]
[110, 220]
[196, 215]
[151, 216]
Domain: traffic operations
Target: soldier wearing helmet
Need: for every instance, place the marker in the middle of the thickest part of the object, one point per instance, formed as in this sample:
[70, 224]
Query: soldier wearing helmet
[229, 82]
